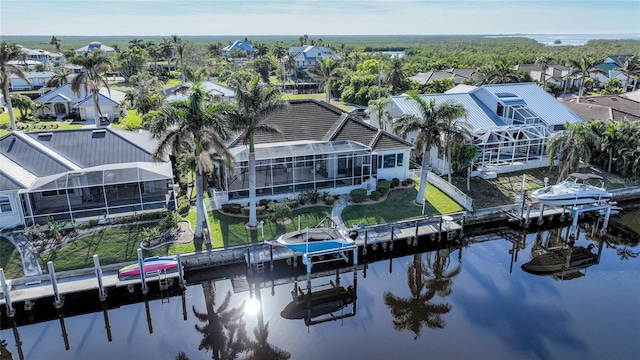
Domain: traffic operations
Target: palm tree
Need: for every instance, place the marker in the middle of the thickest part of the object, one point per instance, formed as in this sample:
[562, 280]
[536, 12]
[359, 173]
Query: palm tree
[180, 47]
[441, 280]
[254, 103]
[166, 49]
[395, 73]
[583, 68]
[91, 79]
[429, 126]
[456, 131]
[195, 126]
[378, 110]
[56, 42]
[630, 68]
[60, 77]
[10, 52]
[571, 146]
[610, 137]
[544, 61]
[261, 349]
[416, 311]
[326, 71]
[136, 42]
[499, 73]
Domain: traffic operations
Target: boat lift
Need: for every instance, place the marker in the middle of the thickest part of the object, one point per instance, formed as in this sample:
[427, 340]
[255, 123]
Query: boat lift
[576, 211]
[342, 254]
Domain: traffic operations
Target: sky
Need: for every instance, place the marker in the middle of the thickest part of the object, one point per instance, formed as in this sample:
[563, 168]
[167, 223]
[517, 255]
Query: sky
[317, 17]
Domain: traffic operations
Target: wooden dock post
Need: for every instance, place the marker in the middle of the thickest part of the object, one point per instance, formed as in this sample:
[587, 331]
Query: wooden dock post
[366, 238]
[541, 216]
[249, 267]
[391, 242]
[271, 257]
[440, 229]
[59, 301]
[96, 264]
[143, 277]
[11, 312]
[527, 219]
[181, 281]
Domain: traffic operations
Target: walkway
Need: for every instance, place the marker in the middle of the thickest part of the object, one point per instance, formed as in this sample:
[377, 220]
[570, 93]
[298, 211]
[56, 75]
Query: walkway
[30, 264]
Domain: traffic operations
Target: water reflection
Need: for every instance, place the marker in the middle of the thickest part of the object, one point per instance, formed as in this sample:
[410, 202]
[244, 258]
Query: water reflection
[327, 304]
[558, 256]
[260, 348]
[425, 282]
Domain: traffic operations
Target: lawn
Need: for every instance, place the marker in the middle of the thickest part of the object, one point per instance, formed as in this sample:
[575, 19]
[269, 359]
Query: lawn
[132, 122]
[319, 97]
[10, 260]
[5, 124]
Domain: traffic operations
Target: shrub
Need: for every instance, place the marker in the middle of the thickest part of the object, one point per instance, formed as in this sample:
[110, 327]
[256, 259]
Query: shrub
[303, 197]
[259, 210]
[358, 195]
[279, 210]
[375, 195]
[395, 182]
[404, 182]
[170, 220]
[149, 233]
[409, 181]
[383, 186]
[314, 196]
[329, 200]
[294, 204]
[265, 202]
[232, 208]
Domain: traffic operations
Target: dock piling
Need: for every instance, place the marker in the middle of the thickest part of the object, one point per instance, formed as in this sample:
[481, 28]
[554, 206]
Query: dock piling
[143, 277]
[366, 238]
[11, 312]
[271, 257]
[181, 281]
[59, 301]
[96, 264]
[541, 216]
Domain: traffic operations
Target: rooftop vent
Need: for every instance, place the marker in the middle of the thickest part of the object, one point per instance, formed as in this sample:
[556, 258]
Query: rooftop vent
[99, 131]
[45, 134]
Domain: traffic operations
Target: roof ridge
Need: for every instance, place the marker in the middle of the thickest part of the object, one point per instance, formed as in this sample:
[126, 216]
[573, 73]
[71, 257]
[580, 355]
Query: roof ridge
[47, 151]
[8, 163]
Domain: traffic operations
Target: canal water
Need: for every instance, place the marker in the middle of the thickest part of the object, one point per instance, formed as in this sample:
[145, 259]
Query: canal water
[577, 299]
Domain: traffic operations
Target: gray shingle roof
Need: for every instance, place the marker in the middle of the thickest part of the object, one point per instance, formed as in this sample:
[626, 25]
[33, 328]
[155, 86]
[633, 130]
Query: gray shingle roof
[617, 107]
[311, 120]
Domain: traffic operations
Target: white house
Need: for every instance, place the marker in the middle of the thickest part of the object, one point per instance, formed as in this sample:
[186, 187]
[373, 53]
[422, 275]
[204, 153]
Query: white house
[80, 175]
[555, 73]
[220, 92]
[510, 124]
[307, 56]
[41, 56]
[63, 102]
[321, 149]
[39, 79]
[611, 66]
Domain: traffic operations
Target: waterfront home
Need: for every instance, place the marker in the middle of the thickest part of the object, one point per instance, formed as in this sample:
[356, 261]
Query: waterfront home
[322, 148]
[39, 79]
[555, 73]
[307, 56]
[239, 46]
[611, 68]
[219, 92]
[510, 124]
[64, 102]
[39, 56]
[80, 175]
[457, 75]
[93, 46]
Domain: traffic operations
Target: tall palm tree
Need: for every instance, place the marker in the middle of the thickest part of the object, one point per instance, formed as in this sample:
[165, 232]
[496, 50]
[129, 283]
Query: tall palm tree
[254, 103]
[326, 71]
[91, 80]
[429, 125]
[195, 126]
[55, 41]
[180, 47]
[395, 73]
[378, 110]
[630, 68]
[10, 52]
[166, 49]
[544, 61]
[136, 42]
[570, 146]
[499, 73]
[414, 312]
[583, 68]
[455, 132]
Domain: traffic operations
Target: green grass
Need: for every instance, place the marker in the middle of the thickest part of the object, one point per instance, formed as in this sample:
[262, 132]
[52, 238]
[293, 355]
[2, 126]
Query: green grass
[112, 245]
[132, 122]
[172, 82]
[5, 125]
[10, 260]
[319, 97]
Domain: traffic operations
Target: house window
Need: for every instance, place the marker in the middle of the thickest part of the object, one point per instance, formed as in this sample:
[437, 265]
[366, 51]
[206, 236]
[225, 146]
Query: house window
[54, 192]
[5, 205]
[500, 110]
[389, 161]
[399, 159]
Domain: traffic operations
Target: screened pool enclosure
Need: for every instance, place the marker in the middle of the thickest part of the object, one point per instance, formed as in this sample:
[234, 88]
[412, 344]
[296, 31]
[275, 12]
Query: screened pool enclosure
[301, 166]
[101, 191]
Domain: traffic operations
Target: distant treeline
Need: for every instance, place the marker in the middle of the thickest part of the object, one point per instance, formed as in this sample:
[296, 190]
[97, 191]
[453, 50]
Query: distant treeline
[454, 50]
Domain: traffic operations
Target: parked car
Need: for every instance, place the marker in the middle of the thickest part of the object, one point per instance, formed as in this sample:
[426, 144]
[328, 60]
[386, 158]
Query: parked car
[358, 111]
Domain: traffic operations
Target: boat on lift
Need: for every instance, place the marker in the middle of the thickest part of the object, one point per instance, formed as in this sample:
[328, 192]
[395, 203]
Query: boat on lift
[578, 189]
[564, 263]
[318, 238]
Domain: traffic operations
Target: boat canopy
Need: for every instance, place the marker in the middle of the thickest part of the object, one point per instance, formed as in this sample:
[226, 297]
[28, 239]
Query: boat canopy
[585, 177]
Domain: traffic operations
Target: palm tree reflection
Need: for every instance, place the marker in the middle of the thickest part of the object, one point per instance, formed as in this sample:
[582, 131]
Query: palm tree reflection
[424, 282]
[260, 349]
[223, 330]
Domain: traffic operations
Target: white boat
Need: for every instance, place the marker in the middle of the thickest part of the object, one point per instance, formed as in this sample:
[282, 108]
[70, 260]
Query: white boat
[578, 189]
[317, 239]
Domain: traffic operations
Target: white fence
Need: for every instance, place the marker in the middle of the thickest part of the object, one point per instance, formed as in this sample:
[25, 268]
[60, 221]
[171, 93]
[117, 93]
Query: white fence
[444, 186]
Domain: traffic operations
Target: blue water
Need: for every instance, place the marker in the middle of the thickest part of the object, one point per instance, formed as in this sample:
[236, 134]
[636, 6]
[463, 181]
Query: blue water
[492, 309]
[572, 39]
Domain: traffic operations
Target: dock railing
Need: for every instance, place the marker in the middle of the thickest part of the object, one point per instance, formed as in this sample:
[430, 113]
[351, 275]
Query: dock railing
[451, 190]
